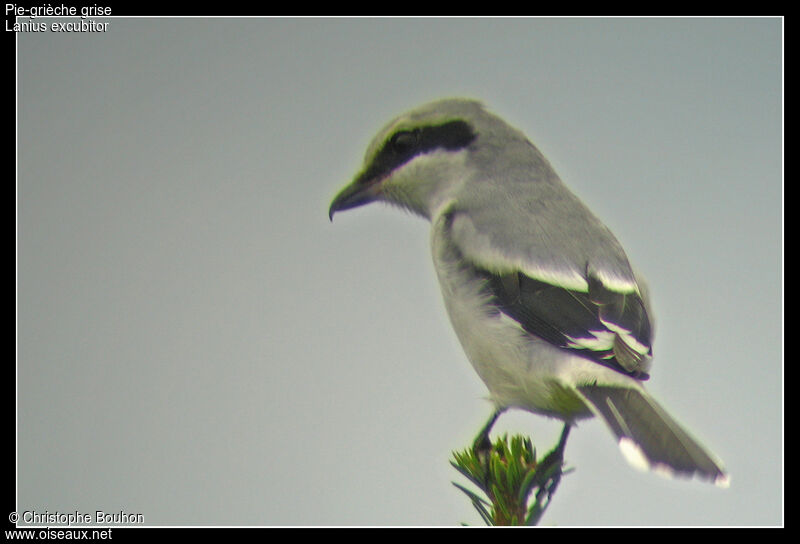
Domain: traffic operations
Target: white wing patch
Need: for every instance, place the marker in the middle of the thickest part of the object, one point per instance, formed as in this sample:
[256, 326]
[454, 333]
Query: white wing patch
[614, 282]
[600, 341]
[626, 336]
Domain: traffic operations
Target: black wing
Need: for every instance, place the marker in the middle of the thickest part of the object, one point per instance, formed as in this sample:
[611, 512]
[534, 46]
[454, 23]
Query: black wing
[610, 328]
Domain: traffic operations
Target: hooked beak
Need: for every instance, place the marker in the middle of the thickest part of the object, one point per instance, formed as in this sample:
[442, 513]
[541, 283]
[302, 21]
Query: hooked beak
[361, 191]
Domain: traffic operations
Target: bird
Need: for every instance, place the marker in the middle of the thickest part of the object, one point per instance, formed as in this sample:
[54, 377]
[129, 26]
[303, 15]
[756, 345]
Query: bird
[540, 293]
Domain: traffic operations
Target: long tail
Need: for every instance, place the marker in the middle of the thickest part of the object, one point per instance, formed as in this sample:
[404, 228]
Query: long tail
[649, 437]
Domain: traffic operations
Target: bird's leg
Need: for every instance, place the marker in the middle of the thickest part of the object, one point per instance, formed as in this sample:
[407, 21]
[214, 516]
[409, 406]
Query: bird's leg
[550, 468]
[482, 443]
[562, 442]
[556, 456]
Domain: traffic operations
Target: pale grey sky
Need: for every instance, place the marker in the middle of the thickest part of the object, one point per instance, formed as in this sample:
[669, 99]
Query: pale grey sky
[199, 344]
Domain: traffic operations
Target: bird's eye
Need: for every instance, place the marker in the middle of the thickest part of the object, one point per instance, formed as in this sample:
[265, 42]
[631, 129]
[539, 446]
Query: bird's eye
[403, 142]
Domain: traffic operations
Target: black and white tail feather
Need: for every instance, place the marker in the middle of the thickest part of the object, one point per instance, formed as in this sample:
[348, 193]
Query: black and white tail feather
[649, 437]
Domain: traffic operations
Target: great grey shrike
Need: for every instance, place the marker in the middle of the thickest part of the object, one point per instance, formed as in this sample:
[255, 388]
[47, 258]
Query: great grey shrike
[540, 293]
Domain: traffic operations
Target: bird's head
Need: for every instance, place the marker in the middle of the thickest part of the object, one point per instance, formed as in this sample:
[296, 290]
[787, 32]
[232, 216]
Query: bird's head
[420, 158]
